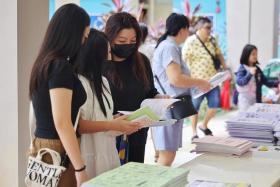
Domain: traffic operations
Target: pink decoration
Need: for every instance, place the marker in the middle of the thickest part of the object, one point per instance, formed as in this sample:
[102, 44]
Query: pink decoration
[218, 9]
[187, 8]
[117, 3]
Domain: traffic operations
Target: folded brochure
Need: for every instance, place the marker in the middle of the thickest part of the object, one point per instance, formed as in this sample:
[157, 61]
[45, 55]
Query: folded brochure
[152, 113]
[147, 117]
[214, 81]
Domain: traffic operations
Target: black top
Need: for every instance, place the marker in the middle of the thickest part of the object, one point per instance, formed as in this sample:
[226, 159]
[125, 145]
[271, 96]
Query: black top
[129, 98]
[60, 75]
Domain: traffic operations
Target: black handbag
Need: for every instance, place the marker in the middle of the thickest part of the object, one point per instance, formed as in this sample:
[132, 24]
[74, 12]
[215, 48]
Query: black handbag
[179, 109]
[216, 61]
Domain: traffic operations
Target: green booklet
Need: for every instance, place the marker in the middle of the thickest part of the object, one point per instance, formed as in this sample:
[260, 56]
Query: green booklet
[151, 113]
[140, 175]
[143, 112]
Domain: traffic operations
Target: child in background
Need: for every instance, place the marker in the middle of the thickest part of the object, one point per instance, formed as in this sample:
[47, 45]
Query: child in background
[250, 78]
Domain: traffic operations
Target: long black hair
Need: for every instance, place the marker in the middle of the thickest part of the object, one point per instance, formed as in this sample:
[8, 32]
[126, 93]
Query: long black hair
[89, 64]
[174, 23]
[144, 31]
[114, 25]
[247, 50]
[63, 39]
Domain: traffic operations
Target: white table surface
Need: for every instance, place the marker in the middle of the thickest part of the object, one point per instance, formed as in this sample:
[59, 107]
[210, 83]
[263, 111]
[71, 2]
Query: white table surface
[260, 169]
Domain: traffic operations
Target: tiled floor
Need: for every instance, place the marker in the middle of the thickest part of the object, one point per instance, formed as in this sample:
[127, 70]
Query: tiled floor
[217, 125]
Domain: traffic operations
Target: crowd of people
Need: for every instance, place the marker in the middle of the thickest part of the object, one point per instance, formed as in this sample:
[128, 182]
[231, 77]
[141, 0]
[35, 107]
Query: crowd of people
[90, 75]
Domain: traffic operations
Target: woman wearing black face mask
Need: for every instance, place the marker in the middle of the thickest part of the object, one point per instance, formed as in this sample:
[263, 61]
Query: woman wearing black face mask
[129, 75]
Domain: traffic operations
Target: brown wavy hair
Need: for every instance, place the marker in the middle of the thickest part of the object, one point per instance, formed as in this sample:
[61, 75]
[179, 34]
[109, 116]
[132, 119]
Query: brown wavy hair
[114, 25]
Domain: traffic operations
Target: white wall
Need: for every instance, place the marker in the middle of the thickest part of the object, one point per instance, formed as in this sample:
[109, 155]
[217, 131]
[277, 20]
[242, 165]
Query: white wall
[264, 27]
[9, 95]
[238, 30]
[255, 22]
[32, 24]
[22, 28]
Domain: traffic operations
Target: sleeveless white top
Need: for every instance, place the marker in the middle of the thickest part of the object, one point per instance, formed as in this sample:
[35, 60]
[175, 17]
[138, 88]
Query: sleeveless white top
[98, 149]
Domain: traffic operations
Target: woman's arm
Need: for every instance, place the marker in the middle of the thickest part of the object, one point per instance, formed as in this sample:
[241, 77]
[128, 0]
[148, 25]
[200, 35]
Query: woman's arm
[61, 109]
[268, 82]
[222, 60]
[243, 76]
[118, 124]
[87, 126]
[177, 78]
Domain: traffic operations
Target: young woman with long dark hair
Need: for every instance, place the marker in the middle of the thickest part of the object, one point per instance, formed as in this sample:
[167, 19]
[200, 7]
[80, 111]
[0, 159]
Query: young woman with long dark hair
[57, 93]
[98, 142]
[129, 75]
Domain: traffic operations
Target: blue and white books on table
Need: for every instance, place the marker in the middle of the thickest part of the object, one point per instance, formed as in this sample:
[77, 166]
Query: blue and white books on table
[260, 123]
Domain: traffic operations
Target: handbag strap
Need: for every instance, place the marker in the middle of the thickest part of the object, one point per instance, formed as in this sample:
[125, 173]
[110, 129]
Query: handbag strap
[32, 122]
[212, 56]
[56, 159]
[160, 85]
[77, 120]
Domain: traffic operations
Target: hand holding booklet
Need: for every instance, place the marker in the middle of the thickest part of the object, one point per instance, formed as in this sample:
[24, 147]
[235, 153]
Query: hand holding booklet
[214, 81]
[151, 113]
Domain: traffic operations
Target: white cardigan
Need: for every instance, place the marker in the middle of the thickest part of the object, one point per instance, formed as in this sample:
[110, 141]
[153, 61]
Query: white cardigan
[98, 149]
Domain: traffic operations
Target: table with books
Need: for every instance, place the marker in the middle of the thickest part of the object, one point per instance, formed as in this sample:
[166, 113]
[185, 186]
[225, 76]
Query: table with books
[255, 168]
[248, 157]
[135, 174]
[234, 161]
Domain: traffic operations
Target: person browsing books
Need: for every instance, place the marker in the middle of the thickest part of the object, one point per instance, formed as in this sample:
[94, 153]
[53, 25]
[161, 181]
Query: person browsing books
[57, 93]
[173, 75]
[129, 74]
[98, 144]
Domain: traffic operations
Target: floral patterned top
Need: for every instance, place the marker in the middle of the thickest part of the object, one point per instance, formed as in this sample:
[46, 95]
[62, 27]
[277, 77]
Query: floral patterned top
[198, 59]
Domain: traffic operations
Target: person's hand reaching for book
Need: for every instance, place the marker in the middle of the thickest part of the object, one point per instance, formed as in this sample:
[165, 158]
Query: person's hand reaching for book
[127, 127]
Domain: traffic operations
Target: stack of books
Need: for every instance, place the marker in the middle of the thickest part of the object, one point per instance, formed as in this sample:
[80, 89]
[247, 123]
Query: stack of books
[277, 134]
[222, 145]
[270, 112]
[140, 175]
[260, 123]
[251, 127]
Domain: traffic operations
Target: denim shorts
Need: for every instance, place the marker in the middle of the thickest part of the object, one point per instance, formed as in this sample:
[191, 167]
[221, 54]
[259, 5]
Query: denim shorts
[213, 99]
[168, 138]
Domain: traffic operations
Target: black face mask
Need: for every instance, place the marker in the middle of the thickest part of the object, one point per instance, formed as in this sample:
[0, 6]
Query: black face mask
[123, 50]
